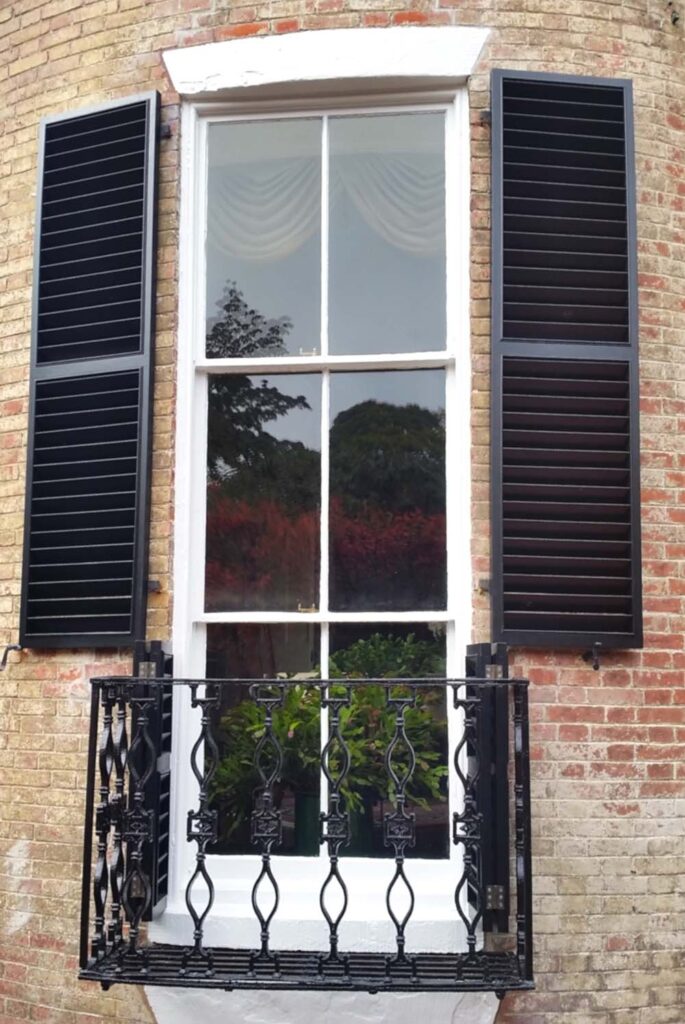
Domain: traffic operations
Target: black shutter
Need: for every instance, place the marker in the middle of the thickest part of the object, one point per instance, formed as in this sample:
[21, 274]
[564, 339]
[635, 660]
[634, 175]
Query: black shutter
[491, 763]
[565, 442]
[85, 545]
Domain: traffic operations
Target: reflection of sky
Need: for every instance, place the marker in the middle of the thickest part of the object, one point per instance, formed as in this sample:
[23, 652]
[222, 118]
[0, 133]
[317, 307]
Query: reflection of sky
[299, 424]
[397, 387]
[425, 388]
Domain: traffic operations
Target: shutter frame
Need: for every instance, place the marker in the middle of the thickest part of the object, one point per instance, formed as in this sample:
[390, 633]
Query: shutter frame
[623, 353]
[72, 369]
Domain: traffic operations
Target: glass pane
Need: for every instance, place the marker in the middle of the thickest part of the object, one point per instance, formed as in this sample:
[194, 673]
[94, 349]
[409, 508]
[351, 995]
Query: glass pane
[387, 233]
[263, 238]
[368, 725]
[387, 506]
[254, 652]
[263, 492]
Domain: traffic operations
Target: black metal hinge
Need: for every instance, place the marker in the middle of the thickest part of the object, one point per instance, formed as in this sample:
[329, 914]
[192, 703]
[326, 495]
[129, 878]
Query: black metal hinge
[495, 897]
[150, 660]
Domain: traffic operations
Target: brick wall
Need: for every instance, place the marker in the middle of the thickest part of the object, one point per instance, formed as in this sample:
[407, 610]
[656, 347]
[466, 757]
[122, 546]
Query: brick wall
[609, 768]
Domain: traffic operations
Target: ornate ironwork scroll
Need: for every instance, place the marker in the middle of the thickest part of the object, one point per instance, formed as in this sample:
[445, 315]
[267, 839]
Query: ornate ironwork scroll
[103, 823]
[202, 825]
[120, 833]
[266, 827]
[524, 898]
[117, 869]
[138, 830]
[400, 825]
[466, 824]
[334, 828]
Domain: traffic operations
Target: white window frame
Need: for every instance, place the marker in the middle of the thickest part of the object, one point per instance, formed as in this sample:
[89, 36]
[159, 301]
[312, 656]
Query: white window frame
[434, 925]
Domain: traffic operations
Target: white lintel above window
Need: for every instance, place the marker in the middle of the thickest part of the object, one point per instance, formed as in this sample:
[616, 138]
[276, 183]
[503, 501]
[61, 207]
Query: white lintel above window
[407, 58]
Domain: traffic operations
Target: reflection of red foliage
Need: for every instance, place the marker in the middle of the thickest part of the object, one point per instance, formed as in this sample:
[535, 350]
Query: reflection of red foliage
[260, 557]
[387, 560]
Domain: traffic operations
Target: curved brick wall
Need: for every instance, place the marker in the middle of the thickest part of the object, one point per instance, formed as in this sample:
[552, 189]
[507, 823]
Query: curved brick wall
[609, 747]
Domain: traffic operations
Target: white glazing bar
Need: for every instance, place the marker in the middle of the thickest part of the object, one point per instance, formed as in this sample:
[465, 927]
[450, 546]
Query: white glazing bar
[292, 110]
[300, 364]
[325, 165]
[199, 263]
[320, 617]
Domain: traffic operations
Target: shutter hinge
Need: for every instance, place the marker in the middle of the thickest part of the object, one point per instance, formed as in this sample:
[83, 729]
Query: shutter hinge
[150, 660]
[494, 897]
[165, 131]
[486, 117]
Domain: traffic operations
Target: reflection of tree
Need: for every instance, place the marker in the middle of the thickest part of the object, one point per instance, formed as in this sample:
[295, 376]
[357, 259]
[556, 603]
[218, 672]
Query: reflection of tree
[389, 456]
[368, 726]
[388, 507]
[387, 490]
[242, 332]
[239, 407]
[263, 496]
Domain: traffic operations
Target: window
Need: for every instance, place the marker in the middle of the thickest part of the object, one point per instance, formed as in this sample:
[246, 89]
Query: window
[324, 443]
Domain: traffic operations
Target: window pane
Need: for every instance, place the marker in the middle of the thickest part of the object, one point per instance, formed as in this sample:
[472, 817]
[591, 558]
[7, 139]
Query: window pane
[263, 238]
[252, 652]
[387, 233]
[263, 492]
[406, 650]
[387, 506]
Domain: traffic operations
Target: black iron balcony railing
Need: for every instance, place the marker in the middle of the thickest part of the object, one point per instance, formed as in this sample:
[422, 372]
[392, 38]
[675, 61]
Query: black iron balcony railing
[123, 833]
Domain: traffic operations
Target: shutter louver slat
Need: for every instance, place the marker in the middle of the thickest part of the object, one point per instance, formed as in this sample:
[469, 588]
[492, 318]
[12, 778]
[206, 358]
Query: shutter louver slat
[86, 519]
[564, 364]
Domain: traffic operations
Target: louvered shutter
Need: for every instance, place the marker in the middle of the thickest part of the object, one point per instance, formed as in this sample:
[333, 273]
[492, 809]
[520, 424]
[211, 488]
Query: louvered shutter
[565, 444]
[85, 547]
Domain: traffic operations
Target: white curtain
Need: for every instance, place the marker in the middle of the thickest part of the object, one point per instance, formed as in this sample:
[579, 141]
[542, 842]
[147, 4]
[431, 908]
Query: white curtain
[261, 213]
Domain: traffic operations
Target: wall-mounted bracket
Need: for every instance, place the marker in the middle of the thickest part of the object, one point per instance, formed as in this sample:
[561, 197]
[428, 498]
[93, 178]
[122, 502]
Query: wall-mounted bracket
[5, 654]
[593, 655]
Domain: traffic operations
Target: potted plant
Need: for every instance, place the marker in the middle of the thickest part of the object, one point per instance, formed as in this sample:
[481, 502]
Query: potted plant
[367, 726]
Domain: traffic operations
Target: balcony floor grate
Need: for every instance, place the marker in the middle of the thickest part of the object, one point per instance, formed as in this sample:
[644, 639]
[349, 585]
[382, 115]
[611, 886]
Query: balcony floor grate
[370, 972]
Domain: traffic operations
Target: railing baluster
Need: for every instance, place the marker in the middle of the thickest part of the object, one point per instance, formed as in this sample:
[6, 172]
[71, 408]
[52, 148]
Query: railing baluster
[202, 825]
[266, 826]
[399, 826]
[334, 829]
[466, 826]
[103, 824]
[524, 896]
[117, 870]
[136, 891]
